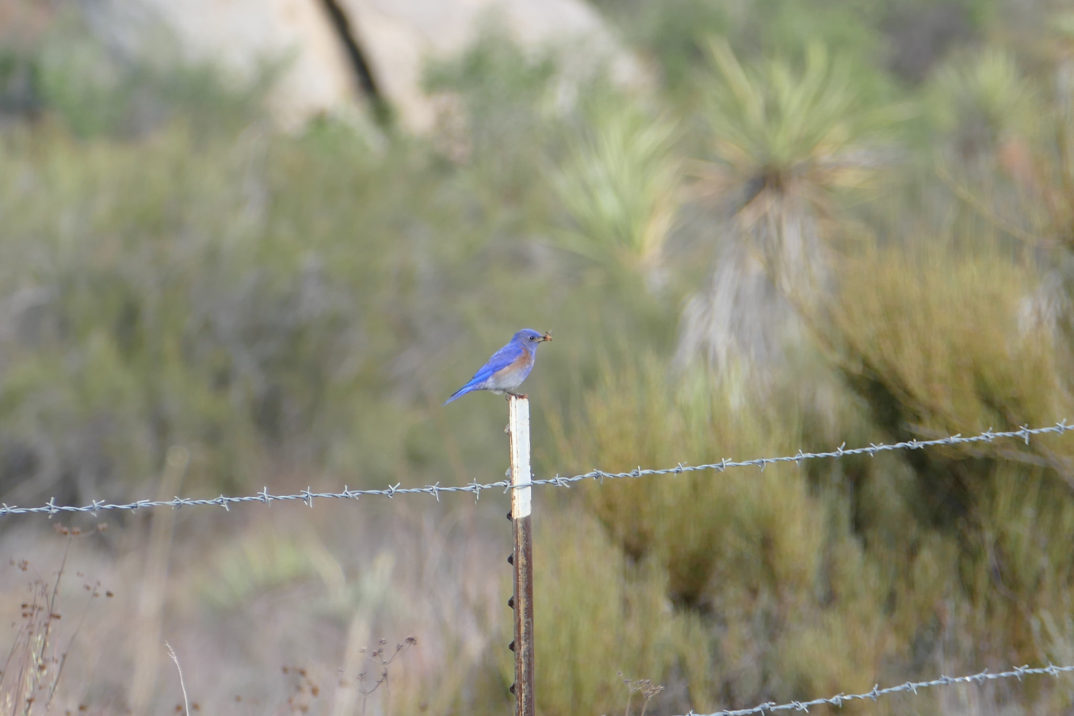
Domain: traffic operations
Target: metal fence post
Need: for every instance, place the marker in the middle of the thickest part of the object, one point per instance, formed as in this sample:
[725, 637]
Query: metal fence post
[518, 411]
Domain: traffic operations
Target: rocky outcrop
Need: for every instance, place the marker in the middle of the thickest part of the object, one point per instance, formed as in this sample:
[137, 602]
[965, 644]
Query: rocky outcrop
[340, 54]
[399, 36]
[240, 36]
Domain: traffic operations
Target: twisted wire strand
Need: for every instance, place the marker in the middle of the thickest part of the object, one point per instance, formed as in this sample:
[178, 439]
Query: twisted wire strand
[475, 488]
[909, 687]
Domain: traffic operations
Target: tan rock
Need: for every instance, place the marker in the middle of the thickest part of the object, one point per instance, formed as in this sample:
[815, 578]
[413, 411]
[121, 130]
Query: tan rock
[241, 35]
[396, 37]
[399, 36]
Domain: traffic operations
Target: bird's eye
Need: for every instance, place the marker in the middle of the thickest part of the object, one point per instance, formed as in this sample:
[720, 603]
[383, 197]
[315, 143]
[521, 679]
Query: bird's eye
[533, 338]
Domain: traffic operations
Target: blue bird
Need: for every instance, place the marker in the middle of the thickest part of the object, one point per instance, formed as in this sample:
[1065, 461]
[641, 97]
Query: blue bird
[507, 367]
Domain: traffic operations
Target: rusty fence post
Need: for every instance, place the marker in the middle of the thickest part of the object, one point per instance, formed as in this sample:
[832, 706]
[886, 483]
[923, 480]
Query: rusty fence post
[518, 410]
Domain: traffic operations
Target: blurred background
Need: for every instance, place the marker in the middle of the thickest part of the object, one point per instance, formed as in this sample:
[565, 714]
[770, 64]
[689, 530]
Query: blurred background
[257, 244]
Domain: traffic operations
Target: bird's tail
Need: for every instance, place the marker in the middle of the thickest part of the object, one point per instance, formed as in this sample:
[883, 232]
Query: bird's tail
[458, 394]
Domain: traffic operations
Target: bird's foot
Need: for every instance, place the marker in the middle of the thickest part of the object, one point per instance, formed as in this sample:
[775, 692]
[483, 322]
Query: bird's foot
[521, 396]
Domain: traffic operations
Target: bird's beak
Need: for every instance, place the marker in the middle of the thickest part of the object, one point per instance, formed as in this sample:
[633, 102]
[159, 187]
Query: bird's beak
[547, 336]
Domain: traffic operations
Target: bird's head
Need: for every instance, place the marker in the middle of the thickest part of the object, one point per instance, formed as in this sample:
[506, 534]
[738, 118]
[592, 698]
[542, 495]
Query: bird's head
[531, 338]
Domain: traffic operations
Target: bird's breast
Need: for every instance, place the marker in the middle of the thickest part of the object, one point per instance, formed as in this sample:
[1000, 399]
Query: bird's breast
[512, 375]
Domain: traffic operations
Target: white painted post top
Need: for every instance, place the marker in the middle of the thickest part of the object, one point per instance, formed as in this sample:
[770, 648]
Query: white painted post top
[518, 412]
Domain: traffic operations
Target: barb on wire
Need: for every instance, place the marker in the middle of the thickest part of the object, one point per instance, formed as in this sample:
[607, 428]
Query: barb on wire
[475, 488]
[910, 686]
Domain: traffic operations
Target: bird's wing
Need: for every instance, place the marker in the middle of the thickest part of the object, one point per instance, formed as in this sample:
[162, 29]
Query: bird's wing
[498, 361]
[501, 359]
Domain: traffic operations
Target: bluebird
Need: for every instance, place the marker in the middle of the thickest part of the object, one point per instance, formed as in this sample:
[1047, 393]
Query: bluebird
[507, 367]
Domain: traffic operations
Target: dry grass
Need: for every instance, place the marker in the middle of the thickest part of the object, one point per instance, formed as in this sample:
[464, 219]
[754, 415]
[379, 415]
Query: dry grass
[310, 643]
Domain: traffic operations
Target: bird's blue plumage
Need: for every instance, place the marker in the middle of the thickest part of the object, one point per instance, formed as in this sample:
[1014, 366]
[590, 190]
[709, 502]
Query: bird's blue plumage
[507, 367]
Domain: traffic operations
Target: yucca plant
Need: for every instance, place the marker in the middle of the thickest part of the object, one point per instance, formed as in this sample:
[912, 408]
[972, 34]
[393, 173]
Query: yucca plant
[1008, 157]
[784, 138]
[619, 187]
[983, 100]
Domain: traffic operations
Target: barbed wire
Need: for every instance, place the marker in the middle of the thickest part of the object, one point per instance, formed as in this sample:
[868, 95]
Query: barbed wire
[1024, 433]
[910, 686]
[308, 496]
